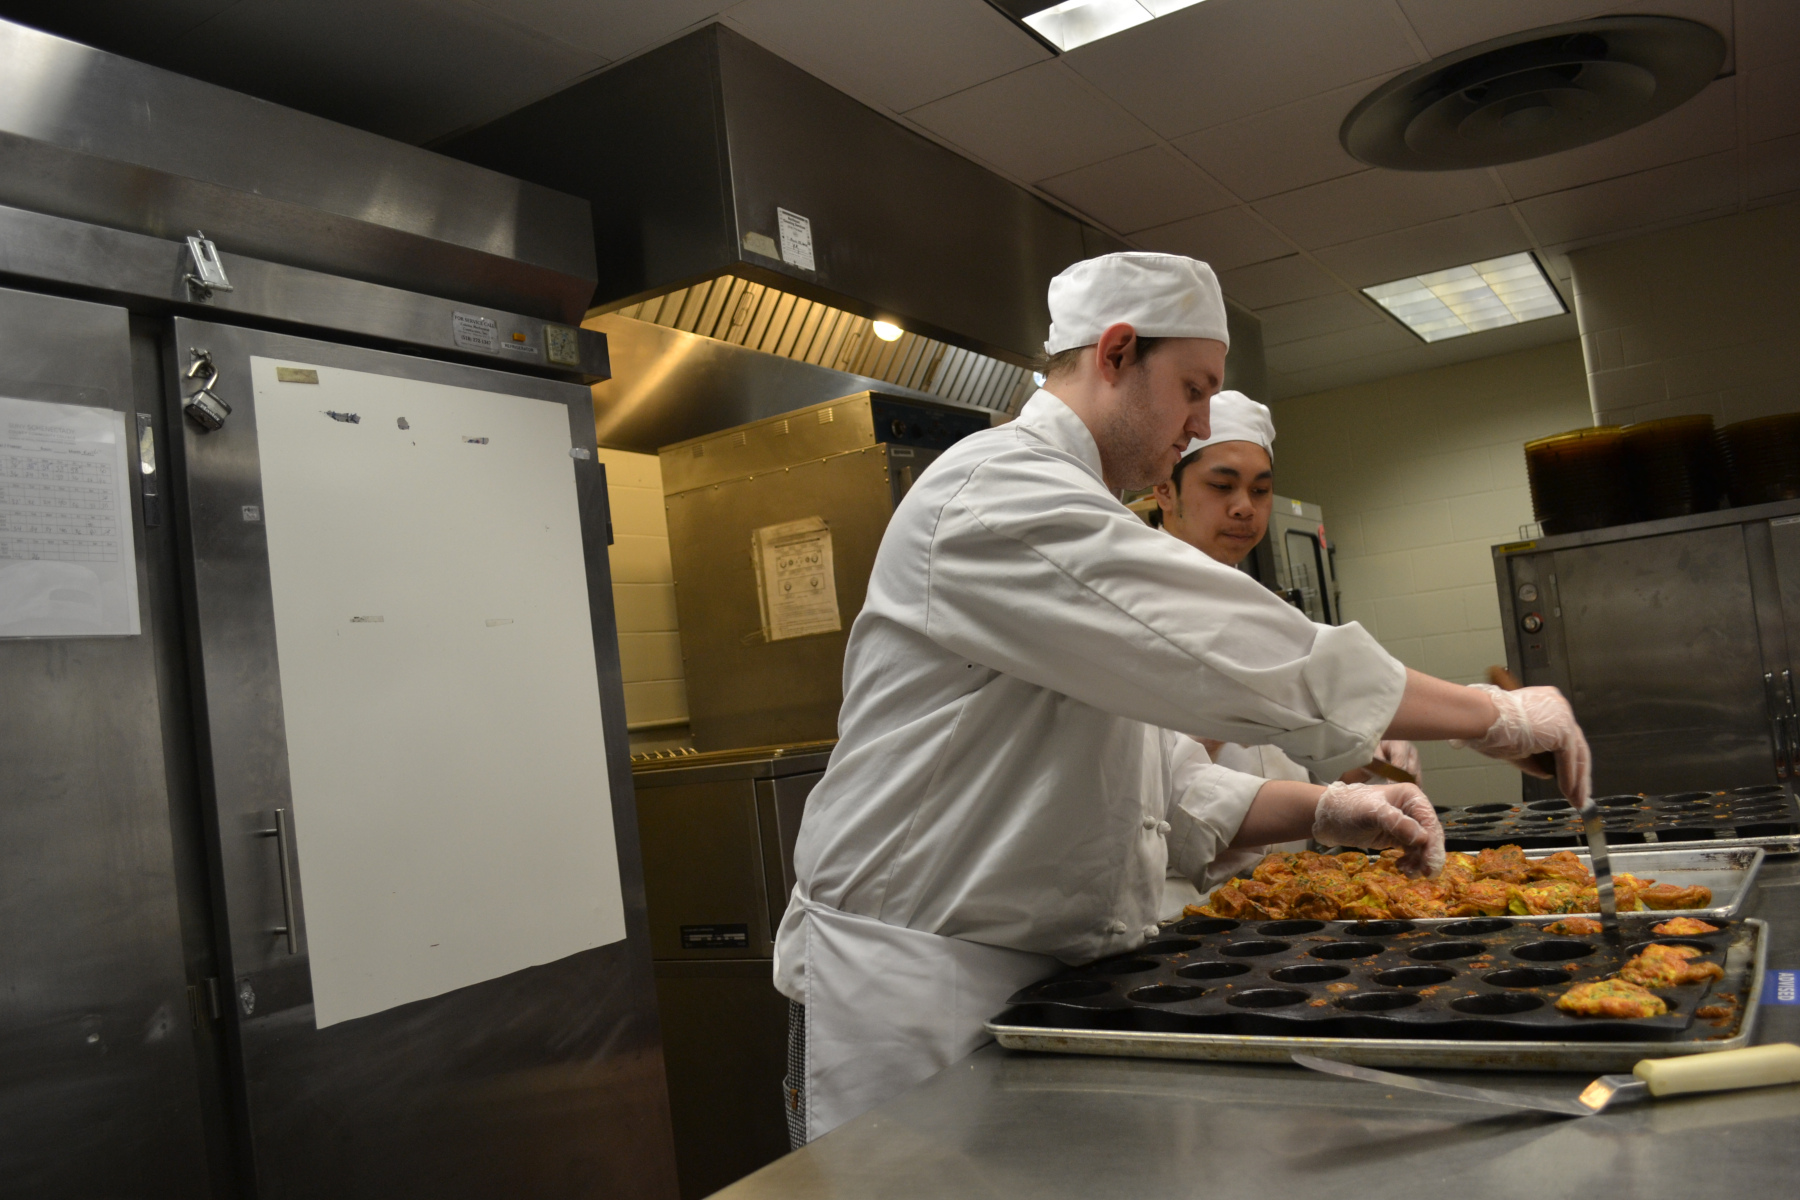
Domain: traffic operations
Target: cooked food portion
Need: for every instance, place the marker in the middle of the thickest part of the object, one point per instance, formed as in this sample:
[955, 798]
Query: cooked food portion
[1668, 966]
[1667, 895]
[1680, 927]
[1615, 998]
[1361, 887]
[1579, 926]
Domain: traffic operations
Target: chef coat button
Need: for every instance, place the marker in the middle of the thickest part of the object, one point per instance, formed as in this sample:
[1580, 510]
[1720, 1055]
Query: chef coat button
[1151, 931]
[1117, 927]
[1149, 822]
[1162, 827]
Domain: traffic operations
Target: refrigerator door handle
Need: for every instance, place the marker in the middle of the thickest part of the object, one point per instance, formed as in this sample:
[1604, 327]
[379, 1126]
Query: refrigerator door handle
[280, 834]
[1773, 701]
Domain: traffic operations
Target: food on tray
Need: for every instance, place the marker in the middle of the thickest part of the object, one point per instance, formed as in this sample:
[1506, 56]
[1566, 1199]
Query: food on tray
[1577, 926]
[1667, 895]
[1681, 927]
[1496, 882]
[1662, 966]
[1611, 998]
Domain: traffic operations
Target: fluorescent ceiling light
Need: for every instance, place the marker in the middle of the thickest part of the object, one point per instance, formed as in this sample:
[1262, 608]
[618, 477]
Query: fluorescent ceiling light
[1483, 295]
[1077, 22]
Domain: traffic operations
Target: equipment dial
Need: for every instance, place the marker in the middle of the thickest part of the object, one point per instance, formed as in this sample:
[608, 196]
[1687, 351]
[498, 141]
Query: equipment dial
[1531, 622]
[1528, 592]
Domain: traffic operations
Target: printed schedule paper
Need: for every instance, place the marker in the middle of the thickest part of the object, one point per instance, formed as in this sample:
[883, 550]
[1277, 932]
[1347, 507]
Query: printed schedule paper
[68, 562]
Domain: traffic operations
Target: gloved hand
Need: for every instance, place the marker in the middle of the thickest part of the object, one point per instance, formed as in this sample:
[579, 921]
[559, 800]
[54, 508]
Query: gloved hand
[1377, 817]
[1404, 755]
[1531, 721]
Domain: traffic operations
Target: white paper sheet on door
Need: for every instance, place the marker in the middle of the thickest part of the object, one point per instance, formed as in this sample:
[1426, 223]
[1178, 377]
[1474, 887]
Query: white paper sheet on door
[453, 821]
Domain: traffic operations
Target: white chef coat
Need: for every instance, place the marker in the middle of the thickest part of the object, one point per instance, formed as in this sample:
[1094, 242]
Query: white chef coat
[1197, 865]
[1026, 654]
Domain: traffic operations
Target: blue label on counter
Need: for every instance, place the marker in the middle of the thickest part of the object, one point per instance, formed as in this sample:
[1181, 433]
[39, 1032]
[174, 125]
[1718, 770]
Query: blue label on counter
[1780, 987]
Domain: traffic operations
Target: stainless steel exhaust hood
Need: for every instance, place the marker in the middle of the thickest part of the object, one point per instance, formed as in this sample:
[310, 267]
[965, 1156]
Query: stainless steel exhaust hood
[104, 140]
[691, 154]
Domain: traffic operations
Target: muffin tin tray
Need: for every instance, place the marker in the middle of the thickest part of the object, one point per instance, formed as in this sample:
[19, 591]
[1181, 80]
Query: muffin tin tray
[1570, 1045]
[1766, 816]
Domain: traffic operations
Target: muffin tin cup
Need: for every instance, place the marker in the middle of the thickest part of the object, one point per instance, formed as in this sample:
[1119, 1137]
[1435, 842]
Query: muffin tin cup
[1753, 812]
[1484, 978]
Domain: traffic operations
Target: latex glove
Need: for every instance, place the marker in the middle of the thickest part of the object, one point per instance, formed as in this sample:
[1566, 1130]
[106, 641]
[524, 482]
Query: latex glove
[1378, 817]
[1404, 755]
[1531, 721]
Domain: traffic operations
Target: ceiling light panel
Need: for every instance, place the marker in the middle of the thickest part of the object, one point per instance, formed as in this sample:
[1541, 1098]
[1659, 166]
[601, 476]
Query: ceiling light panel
[1464, 300]
[1077, 22]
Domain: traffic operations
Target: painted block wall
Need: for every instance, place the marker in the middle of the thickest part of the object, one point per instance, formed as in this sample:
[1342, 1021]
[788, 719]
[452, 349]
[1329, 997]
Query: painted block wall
[1419, 475]
[644, 594]
[1700, 319]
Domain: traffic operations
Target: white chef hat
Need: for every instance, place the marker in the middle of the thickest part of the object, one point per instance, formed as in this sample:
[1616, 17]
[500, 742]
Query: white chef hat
[1237, 418]
[1159, 295]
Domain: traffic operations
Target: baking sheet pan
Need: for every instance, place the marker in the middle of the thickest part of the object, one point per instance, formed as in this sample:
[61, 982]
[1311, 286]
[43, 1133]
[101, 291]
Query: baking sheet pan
[1744, 965]
[1728, 871]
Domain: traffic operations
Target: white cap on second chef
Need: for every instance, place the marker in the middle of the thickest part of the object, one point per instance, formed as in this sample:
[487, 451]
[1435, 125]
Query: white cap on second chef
[1235, 417]
[1158, 295]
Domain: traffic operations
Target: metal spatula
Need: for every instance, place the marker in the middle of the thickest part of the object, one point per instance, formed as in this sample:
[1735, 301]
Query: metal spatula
[1724, 1070]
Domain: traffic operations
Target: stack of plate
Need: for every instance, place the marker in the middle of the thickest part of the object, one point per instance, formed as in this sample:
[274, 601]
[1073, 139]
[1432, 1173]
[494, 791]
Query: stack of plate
[1578, 479]
[1762, 459]
[1673, 465]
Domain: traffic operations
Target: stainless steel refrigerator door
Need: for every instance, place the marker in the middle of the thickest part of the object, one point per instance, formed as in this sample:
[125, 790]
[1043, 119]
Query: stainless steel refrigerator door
[98, 1083]
[546, 1081]
[1664, 662]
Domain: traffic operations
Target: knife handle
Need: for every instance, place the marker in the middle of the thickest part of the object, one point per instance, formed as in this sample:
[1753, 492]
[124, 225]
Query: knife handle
[1753, 1066]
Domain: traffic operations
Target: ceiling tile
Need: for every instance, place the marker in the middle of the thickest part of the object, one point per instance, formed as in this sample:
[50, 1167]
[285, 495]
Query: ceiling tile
[896, 53]
[1225, 59]
[1419, 356]
[1469, 238]
[1277, 281]
[1338, 347]
[1774, 167]
[1768, 31]
[407, 69]
[1243, 154]
[1034, 123]
[1232, 237]
[1774, 93]
[609, 28]
[1313, 318]
[1376, 201]
[1153, 186]
[1447, 25]
[1706, 124]
[1617, 206]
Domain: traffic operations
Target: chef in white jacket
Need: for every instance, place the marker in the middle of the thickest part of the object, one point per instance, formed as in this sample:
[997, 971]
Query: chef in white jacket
[1017, 689]
[1218, 500]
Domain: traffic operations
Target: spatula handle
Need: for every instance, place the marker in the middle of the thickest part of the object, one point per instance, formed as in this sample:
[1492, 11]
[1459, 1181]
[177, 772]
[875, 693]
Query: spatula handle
[1753, 1066]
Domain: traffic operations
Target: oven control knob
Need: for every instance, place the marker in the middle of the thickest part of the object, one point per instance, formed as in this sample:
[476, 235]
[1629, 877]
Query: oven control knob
[1531, 622]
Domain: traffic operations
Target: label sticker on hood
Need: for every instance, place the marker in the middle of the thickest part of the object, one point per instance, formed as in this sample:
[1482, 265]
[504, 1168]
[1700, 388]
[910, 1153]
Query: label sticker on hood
[473, 332]
[796, 239]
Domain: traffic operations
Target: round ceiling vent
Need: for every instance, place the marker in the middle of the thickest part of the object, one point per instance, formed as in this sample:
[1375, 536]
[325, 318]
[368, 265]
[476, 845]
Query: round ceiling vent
[1533, 93]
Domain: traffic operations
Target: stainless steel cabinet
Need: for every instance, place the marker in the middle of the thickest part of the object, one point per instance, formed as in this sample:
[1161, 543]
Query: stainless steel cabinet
[1674, 641]
[718, 837]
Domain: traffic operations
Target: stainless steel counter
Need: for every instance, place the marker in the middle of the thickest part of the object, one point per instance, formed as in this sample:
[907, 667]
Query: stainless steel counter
[1003, 1124]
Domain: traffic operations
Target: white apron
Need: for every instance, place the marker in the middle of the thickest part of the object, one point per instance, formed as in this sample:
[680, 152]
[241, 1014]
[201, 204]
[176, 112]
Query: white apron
[888, 1007]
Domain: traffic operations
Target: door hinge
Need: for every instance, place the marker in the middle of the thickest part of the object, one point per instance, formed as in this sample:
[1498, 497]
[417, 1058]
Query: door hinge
[203, 1001]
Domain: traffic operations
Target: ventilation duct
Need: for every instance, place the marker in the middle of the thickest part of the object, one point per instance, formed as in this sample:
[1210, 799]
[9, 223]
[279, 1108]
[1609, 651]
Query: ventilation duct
[1533, 93]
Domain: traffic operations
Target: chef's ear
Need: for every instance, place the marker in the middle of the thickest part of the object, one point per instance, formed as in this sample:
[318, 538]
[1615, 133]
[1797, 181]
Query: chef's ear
[1116, 350]
[1165, 497]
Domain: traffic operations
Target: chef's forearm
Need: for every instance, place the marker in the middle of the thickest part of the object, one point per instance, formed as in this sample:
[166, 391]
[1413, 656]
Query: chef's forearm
[1433, 710]
[1281, 812]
